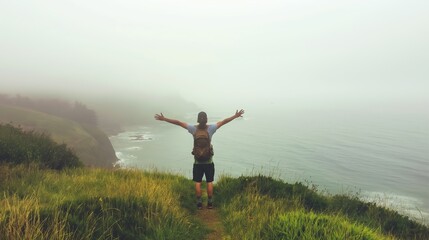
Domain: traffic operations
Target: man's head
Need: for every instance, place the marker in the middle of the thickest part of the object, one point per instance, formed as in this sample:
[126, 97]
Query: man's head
[202, 118]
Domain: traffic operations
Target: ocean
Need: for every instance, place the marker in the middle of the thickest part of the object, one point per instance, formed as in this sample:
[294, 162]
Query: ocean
[381, 155]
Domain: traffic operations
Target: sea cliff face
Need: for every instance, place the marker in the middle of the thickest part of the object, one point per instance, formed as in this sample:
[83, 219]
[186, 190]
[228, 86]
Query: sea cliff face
[88, 142]
[103, 155]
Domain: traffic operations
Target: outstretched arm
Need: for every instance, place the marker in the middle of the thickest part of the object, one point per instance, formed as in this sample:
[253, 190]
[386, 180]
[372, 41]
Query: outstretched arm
[227, 120]
[160, 117]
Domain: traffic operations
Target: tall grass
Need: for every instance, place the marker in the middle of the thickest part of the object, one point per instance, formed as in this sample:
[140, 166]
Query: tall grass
[260, 207]
[87, 203]
[301, 224]
[20, 218]
[95, 204]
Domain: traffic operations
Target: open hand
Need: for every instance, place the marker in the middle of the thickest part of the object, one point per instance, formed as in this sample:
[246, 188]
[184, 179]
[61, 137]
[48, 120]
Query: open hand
[159, 117]
[239, 113]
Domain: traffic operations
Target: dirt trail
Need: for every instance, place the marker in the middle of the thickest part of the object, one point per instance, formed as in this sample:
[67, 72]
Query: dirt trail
[211, 218]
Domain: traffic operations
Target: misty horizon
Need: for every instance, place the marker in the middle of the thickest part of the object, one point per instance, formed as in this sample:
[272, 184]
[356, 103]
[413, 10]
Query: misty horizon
[238, 54]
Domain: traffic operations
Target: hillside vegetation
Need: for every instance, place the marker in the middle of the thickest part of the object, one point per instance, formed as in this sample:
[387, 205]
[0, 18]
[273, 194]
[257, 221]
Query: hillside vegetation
[32, 148]
[273, 209]
[89, 143]
[93, 203]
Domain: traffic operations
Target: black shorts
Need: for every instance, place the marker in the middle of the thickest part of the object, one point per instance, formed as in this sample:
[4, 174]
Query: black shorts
[200, 170]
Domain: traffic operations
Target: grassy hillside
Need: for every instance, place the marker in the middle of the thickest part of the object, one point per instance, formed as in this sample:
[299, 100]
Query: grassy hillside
[95, 204]
[90, 144]
[274, 209]
[132, 204]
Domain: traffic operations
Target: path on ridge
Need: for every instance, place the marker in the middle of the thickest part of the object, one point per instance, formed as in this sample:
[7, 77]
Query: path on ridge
[210, 217]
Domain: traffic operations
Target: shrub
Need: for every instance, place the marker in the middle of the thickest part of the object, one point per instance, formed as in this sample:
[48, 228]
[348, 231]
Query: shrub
[25, 147]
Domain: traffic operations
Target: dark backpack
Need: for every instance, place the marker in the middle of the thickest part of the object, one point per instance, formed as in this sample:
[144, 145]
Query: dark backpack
[203, 150]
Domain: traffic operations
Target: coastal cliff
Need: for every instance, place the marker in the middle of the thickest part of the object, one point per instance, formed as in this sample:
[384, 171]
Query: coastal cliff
[88, 142]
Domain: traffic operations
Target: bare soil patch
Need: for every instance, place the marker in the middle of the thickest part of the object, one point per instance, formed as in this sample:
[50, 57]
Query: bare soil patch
[211, 218]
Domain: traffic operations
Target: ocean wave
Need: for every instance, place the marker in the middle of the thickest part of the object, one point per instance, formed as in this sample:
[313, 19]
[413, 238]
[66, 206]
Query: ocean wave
[134, 135]
[140, 137]
[409, 206]
[123, 158]
[133, 148]
[120, 163]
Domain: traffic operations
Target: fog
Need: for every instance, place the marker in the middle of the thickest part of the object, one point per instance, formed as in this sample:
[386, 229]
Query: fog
[218, 53]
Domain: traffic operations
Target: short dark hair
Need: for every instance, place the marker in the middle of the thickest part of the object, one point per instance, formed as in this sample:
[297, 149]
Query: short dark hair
[202, 117]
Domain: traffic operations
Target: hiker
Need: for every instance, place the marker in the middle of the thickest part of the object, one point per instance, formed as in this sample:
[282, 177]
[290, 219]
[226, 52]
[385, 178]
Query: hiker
[202, 151]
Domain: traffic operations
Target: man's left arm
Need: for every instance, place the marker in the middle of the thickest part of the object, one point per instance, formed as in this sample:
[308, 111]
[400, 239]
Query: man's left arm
[227, 120]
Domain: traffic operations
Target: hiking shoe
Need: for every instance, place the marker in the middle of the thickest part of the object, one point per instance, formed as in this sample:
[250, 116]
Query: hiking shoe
[199, 206]
[209, 205]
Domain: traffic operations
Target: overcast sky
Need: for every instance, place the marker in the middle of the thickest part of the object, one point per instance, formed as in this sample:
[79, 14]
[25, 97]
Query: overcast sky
[238, 51]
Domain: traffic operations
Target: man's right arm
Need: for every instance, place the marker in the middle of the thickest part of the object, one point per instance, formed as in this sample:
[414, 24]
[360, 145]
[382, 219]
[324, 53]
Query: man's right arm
[227, 120]
[160, 117]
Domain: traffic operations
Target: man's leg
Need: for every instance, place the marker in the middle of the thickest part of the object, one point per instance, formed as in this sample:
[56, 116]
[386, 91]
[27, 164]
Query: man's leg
[198, 177]
[198, 189]
[210, 178]
[210, 189]
[210, 195]
[198, 195]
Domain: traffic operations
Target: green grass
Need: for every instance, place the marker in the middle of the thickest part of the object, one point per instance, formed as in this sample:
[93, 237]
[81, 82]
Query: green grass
[301, 224]
[256, 216]
[91, 203]
[260, 207]
[95, 204]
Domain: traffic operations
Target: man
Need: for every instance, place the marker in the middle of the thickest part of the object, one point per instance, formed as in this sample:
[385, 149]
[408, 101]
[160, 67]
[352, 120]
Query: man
[202, 165]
